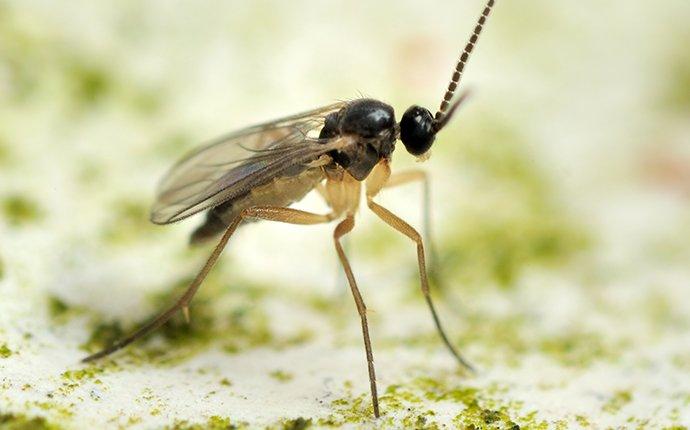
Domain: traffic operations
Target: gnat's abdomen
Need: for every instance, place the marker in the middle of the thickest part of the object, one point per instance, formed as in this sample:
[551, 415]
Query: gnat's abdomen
[280, 192]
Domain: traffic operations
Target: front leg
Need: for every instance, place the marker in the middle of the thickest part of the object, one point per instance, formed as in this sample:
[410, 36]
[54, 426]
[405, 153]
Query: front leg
[385, 179]
[402, 178]
[379, 177]
[419, 175]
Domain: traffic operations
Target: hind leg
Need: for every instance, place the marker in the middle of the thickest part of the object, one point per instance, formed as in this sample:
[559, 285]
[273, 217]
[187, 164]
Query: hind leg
[286, 215]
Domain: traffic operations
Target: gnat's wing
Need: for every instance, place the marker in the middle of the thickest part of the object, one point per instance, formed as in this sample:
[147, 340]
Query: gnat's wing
[232, 165]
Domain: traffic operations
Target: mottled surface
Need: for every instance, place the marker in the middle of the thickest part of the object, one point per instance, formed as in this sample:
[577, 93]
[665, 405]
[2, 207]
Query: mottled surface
[561, 203]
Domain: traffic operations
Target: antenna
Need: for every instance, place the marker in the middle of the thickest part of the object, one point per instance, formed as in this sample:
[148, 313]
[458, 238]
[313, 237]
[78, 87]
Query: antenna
[460, 66]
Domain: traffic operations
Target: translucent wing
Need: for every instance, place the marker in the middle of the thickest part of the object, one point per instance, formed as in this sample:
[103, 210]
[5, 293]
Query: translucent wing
[230, 166]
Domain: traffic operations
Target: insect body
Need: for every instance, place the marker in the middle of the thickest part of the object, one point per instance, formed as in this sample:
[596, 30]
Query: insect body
[257, 172]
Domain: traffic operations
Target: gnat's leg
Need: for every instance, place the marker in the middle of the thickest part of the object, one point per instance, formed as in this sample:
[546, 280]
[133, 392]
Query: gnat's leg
[397, 223]
[343, 228]
[340, 278]
[286, 215]
[414, 175]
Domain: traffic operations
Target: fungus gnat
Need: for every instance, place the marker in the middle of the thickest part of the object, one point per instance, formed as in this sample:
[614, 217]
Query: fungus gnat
[257, 172]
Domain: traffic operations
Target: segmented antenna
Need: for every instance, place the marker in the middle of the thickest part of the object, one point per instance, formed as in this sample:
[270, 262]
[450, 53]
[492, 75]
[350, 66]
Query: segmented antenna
[460, 66]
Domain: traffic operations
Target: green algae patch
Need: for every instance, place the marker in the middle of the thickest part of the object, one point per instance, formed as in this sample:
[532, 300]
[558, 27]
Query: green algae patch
[89, 83]
[5, 153]
[173, 144]
[22, 422]
[506, 339]
[580, 348]
[497, 247]
[5, 351]
[213, 423]
[510, 215]
[103, 335]
[476, 417]
[128, 222]
[227, 318]
[411, 405]
[281, 375]
[619, 399]
[676, 90]
[19, 210]
[299, 423]
[61, 312]
[87, 373]
[21, 50]
[583, 421]
[53, 409]
[57, 307]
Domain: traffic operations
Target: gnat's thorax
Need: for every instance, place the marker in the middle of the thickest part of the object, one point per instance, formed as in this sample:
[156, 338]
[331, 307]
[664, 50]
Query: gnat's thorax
[373, 125]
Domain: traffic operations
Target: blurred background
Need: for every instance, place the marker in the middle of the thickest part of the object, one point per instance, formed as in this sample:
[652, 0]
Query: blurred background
[560, 209]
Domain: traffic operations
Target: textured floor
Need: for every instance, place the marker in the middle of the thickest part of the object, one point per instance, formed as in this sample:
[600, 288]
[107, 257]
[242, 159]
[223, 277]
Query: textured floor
[561, 209]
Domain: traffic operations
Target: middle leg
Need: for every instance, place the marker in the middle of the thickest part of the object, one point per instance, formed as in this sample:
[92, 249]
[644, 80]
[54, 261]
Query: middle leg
[342, 229]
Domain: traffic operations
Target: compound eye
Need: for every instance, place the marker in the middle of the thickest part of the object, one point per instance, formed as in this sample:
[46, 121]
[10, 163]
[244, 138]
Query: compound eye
[416, 130]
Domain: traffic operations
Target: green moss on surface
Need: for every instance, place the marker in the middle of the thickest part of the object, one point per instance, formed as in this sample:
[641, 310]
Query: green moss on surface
[676, 91]
[497, 247]
[57, 307]
[23, 422]
[476, 417]
[60, 311]
[129, 221]
[681, 361]
[619, 399]
[5, 351]
[103, 335]
[19, 210]
[580, 348]
[89, 173]
[281, 375]
[86, 373]
[20, 51]
[583, 421]
[506, 339]
[5, 153]
[230, 319]
[88, 78]
[63, 413]
[89, 83]
[173, 145]
[146, 101]
[299, 423]
[213, 423]
[410, 405]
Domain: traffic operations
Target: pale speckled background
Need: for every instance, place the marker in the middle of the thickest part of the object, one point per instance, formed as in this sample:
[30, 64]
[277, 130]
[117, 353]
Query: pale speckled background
[561, 201]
